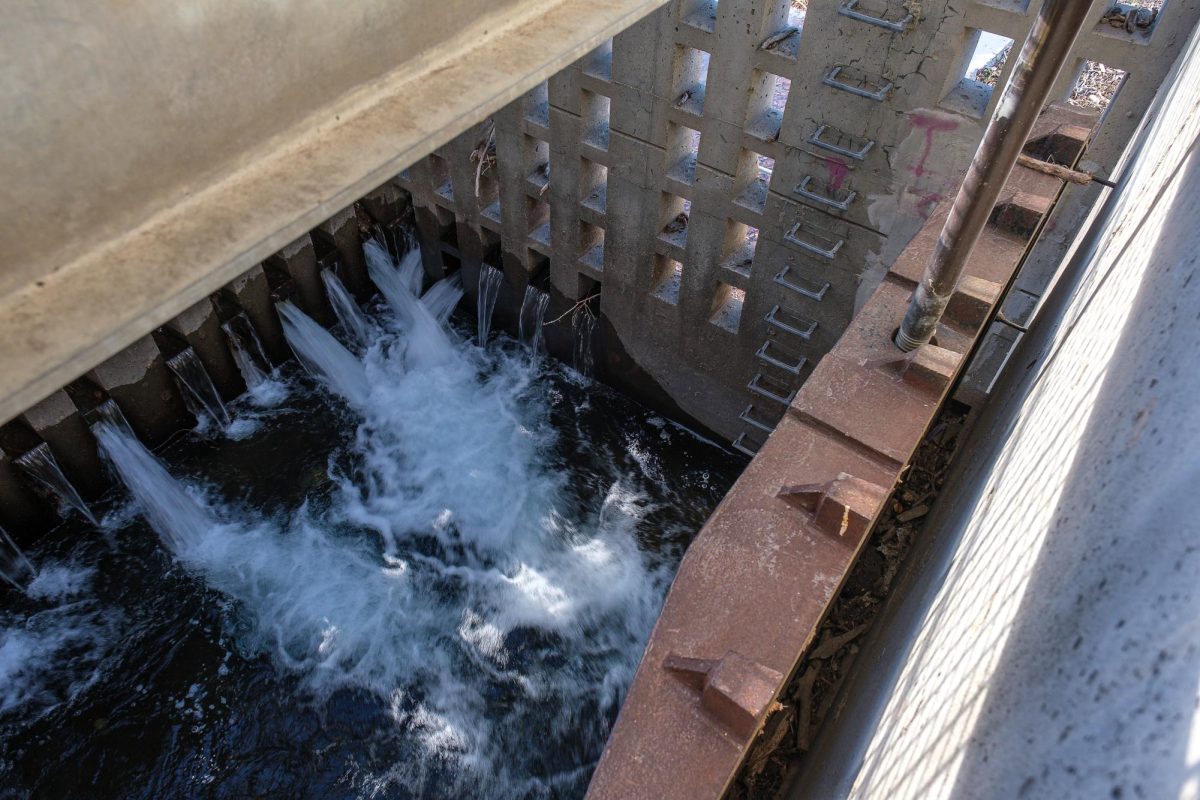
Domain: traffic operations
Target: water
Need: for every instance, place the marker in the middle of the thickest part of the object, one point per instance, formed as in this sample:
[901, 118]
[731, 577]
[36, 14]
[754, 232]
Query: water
[489, 290]
[248, 351]
[198, 386]
[440, 588]
[354, 322]
[15, 568]
[533, 313]
[322, 355]
[442, 298]
[40, 464]
[583, 323]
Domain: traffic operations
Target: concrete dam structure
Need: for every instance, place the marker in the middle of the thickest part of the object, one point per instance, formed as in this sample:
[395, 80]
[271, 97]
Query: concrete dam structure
[459, 373]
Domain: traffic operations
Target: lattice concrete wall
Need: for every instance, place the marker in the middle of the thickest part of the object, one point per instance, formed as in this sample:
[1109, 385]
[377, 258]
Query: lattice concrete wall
[723, 203]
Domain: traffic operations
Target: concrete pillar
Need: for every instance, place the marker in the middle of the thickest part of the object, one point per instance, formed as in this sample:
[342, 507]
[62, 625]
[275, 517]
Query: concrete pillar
[299, 261]
[341, 231]
[21, 512]
[138, 379]
[201, 327]
[253, 294]
[58, 422]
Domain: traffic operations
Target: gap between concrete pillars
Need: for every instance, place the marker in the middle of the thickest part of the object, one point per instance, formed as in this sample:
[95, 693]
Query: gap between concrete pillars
[138, 379]
[20, 510]
[201, 327]
[62, 427]
[299, 261]
[342, 231]
[252, 292]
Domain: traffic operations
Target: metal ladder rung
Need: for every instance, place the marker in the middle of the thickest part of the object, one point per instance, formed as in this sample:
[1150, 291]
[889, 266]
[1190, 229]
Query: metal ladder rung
[817, 294]
[831, 79]
[850, 9]
[754, 387]
[817, 197]
[773, 319]
[857, 155]
[738, 445]
[749, 419]
[825, 252]
[767, 358]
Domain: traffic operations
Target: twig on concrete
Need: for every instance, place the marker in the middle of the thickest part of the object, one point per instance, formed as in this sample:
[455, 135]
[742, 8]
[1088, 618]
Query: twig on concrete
[571, 311]
[484, 154]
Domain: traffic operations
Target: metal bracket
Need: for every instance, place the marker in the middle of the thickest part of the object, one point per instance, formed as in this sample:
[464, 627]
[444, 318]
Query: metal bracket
[741, 448]
[737, 691]
[844, 507]
[878, 96]
[818, 295]
[824, 252]
[762, 391]
[749, 419]
[840, 205]
[762, 355]
[848, 9]
[857, 155]
[772, 318]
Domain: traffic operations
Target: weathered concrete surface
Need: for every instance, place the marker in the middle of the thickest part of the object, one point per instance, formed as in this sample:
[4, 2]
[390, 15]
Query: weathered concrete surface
[59, 423]
[139, 380]
[151, 154]
[201, 327]
[252, 292]
[1046, 644]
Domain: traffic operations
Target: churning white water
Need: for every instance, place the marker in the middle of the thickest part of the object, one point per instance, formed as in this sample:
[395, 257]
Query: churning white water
[449, 573]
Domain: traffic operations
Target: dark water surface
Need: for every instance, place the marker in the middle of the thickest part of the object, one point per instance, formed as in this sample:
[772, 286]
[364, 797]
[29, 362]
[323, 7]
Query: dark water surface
[132, 675]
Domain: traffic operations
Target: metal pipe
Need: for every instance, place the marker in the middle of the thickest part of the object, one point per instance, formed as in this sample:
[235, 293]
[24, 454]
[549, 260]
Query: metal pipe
[1050, 41]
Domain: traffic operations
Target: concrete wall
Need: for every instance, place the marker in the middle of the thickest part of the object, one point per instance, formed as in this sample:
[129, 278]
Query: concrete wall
[689, 298]
[1046, 643]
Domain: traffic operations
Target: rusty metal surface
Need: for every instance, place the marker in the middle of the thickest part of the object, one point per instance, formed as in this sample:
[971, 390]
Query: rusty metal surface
[756, 583]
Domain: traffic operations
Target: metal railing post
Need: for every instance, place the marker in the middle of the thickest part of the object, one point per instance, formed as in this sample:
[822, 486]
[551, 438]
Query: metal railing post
[1042, 56]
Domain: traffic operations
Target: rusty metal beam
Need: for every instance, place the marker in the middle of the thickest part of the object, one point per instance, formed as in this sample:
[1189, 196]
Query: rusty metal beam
[1046, 50]
[152, 152]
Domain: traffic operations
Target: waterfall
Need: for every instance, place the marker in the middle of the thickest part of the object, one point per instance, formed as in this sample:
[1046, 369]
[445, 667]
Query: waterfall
[489, 290]
[583, 323]
[15, 568]
[427, 339]
[40, 464]
[443, 296]
[354, 322]
[245, 345]
[177, 516]
[198, 386]
[533, 311]
[322, 355]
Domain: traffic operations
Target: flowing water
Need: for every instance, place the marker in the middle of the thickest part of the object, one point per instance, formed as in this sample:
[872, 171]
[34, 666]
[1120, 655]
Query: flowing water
[15, 567]
[533, 314]
[429, 573]
[489, 290]
[583, 323]
[40, 464]
[198, 387]
[351, 317]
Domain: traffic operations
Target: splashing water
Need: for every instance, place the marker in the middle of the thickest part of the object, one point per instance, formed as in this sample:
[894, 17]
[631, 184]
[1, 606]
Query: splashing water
[354, 322]
[489, 290]
[455, 577]
[442, 298]
[247, 350]
[323, 356]
[40, 464]
[198, 386]
[533, 312]
[15, 568]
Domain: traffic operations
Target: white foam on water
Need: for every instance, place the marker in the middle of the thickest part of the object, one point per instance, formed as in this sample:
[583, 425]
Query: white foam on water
[482, 578]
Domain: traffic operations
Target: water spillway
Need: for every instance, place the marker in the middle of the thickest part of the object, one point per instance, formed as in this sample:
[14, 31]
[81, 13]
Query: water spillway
[428, 570]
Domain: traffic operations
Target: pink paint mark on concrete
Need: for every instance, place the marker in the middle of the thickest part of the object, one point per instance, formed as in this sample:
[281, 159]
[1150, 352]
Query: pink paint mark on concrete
[931, 124]
[836, 172]
[928, 203]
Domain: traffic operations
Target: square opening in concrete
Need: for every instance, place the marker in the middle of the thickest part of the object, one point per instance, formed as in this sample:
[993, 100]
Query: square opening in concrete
[591, 247]
[683, 150]
[701, 14]
[595, 119]
[782, 24]
[674, 216]
[537, 164]
[737, 252]
[753, 180]
[667, 279]
[1096, 87]
[768, 99]
[980, 70]
[598, 63]
[1134, 20]
[537, 105]
[439, 176]
[593, 185]
[689, 79]
[726, 311]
